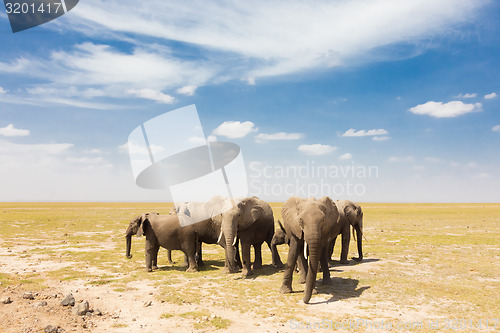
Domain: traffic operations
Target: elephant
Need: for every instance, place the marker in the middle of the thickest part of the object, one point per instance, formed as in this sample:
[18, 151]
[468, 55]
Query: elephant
[164, 231]
[251, 222]
[309, 225]
[351, 214]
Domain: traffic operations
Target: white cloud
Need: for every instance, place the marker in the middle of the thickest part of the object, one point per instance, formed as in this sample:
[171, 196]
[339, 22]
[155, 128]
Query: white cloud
[10, 130]
[251, 81]
[282, 36]
[432, 159]
[496, 128]
[187, 90]
[153, 95]
[473, 95]
[263, 137]
[2, 90]
[490, 96]
[445, 110]
[482, 175]
[136, 149]
[235, 129]
[34, 149]
[381, 138]
[345, 157]
[212, 138]
[316, 149]
[352, 132]
[395, 159]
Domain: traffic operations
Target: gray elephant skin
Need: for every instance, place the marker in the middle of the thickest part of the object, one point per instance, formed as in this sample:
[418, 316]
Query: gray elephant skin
[309, 225]
[351, 214]
[251, 221]
[164, 231]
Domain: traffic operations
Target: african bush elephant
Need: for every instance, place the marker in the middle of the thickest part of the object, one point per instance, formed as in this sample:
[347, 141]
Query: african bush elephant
[351, 214]
[164, 231]
[309, 224]
[251, 221]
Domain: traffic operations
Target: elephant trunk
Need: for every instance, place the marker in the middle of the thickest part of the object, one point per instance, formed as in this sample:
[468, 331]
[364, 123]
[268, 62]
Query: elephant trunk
[359, 232]
[313, 249]
[230, 236]
[129, 245]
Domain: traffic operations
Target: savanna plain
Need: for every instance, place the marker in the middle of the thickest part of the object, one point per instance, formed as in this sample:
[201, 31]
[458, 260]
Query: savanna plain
[426, 267]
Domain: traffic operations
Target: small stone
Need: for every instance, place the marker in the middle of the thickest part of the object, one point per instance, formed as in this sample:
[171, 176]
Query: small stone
[147, 303]
[6, 300]
[204, 318]
[97, 312]
[41, 304]
[82, 308]
[51, 329]
[29, 295]
[69, 300]
[213, 316]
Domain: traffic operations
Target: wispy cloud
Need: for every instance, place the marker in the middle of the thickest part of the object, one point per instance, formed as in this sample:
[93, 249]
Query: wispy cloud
[445, 110]
[496, 128]
[381, 138]
[490, 96]
[345, 157]
[235, 129]
[473, 95]
[2, 90]
[406, 159]
[154, 95]
[187, 90]
[263, 137]
[316, 149]
[10, 130]
[353, 133]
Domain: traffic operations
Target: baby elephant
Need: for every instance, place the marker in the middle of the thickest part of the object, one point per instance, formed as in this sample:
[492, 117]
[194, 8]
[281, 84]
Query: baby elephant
[164, 231]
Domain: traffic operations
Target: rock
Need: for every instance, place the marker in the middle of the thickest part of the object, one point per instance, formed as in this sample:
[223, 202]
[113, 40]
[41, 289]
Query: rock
[147, 303]
[204, 318]
[29, 295]
[213, 316]
[51, 329]
[6, 300]
[69, 300]
[97, 312]
[40, 304]
[82, 308]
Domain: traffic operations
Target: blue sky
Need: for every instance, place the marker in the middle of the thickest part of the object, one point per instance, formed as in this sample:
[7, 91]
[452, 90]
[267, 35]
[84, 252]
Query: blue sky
[408, 87]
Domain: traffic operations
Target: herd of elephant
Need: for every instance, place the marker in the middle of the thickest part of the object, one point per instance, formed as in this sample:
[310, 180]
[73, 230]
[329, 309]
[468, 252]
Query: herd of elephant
[310, 227]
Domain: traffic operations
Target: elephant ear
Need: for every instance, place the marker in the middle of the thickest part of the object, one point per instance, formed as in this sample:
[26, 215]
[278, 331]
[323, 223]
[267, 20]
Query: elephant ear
[140, 224]
[217, 205]
[351, 212]
[331, 211]
[291, 217]
[251, 211]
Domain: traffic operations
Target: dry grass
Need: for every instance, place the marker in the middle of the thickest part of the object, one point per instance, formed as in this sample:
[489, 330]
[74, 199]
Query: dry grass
[423, 261]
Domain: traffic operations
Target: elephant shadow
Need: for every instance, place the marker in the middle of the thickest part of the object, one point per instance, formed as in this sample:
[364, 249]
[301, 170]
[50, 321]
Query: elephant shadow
[209, 265]
[337, 263]
[340, 288]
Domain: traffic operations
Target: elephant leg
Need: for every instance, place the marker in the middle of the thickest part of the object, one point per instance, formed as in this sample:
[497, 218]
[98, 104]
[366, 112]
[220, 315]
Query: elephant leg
[199, 259]
[324, 266]
[245, 254]
[302, 265]
[154, 259]
[237, 258]
[185, 263]
[190, 252]
[346, 239]
[286, 286]
[149, 250]
[257, 264]
[331, 247]
[276, 260]
[169, 257]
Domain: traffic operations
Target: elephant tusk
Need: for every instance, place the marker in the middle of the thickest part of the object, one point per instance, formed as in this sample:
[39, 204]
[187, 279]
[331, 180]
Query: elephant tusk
[234, 241]
[220, 237]
[305, 250]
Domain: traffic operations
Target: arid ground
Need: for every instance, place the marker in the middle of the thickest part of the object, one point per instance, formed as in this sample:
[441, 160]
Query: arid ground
[427, 267]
